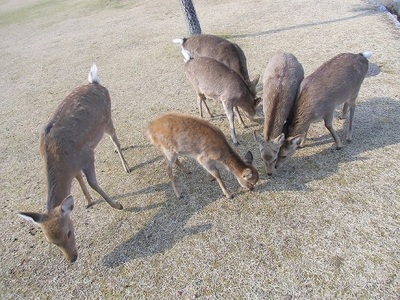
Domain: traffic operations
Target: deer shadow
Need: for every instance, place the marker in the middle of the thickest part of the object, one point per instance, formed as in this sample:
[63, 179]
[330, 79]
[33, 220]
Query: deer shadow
[169, 225]
[375, 123]
[373, 129]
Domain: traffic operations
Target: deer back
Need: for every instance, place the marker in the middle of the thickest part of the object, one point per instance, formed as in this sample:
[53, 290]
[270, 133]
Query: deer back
[180, 134]
[281, 81]
[220, 49]
[69, 138]
[217, 81]
[335, 82]
[187, 135]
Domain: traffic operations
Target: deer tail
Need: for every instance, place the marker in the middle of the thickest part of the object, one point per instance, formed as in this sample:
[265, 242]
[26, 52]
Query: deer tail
[366, 54]
[93, 77]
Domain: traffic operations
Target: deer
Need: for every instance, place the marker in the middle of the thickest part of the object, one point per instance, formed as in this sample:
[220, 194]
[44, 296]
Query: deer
[222, 50]
[335, 82]
[281, 81]
[67, 146]
[180, 134]
[214, 80]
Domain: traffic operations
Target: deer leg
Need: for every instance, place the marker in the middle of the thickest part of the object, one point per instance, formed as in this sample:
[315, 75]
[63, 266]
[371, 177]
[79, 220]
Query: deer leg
[328, 125]
[182, 167]
[239, 116]
[90, 173]
[169, 163]
[211, 169]
[111, 132]
[208, 109]
[344, 111]
[201, 98]
[84, 190]
[349, 136]
[230, 115]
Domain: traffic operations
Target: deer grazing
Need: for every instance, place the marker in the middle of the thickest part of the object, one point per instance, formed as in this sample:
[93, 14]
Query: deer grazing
[222, 50]
[214, 80]
[67, 146]
[179, 134]
[281, 81]
[335, 82]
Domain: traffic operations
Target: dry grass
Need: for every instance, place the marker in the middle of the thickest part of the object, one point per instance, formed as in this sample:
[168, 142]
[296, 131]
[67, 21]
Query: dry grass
[325, 226]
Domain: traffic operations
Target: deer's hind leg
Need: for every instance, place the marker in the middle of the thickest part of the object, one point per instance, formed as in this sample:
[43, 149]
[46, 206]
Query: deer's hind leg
[110, 130]
[201, 98]
[90, 173]
[328, 124]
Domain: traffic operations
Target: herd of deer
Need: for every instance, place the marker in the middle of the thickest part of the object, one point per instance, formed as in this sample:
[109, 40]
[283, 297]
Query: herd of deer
[217, 70]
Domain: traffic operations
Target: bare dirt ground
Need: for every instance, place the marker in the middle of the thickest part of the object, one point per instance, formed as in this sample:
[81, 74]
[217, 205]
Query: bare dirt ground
[325, 226]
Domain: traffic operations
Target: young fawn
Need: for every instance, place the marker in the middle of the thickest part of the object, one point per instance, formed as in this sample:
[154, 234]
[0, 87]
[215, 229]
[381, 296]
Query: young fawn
[281, 81]
[335, 82]
[214, 80]
[178, 134]
[222, 50]
[67, 146]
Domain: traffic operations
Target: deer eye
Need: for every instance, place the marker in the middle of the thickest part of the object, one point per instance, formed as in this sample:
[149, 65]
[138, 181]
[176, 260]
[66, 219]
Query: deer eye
[69, 234]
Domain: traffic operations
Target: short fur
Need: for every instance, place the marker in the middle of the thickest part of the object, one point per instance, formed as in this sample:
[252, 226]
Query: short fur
[222, 50]
[67, 146]
[214, 80]
[179, 134]
[281, 81]
[335, 82]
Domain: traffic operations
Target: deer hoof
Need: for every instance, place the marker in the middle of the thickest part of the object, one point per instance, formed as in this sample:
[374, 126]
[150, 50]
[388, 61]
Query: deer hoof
[118, 206]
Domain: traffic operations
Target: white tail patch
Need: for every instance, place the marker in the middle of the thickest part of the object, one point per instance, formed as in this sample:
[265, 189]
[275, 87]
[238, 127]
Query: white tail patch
[367, 54]
[186, 54]
[178, 41]
[93, 77]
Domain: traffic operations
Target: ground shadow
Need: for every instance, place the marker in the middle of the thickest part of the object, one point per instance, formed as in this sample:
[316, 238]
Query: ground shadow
[300, 26]
[169, 225]
[375, 126]
[376, 122]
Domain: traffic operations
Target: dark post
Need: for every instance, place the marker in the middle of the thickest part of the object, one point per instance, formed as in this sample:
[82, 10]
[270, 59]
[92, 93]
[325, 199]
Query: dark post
[191, 17]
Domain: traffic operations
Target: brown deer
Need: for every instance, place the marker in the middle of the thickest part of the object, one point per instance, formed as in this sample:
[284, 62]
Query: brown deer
[281, 81]
[335, 82]
[67, 146]
[222, 50]
[179, 134]
[214, 80]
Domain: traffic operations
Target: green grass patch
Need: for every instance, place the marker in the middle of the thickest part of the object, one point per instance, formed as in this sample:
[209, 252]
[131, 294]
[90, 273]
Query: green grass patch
[51, 9]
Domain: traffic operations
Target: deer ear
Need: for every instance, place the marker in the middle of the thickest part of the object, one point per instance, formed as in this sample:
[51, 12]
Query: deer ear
[248, 158]
[34, 218]
[295, 141]
[257, 137]
[67, 205]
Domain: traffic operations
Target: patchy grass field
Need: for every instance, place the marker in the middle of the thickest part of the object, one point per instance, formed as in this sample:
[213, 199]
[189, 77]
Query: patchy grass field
[325, 226]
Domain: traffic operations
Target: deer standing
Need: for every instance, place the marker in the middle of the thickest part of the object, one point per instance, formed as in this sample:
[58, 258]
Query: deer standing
[67, 146]
[179, 134]
[214, 80]
[222, 50]
[281, 81]
[335, 82]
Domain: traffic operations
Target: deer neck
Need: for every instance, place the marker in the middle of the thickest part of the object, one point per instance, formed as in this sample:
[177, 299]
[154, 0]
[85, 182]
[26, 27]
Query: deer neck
[234, 163]
[58, 184]
[274, 124]
[299, 123]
